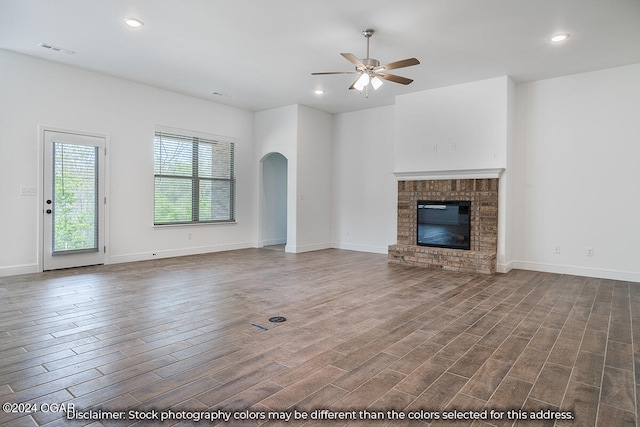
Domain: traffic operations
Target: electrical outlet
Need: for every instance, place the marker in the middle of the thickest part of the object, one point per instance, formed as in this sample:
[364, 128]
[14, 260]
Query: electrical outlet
[434, 147]
[556, 249]
[589, 251]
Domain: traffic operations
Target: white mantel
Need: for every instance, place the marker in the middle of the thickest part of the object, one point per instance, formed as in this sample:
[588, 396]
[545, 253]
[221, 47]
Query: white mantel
[449, 174]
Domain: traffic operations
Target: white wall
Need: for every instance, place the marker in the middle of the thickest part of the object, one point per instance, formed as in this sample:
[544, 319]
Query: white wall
[577, 174]
[314, 179]
[457, 127]
[37, 92]
[507, 202]
[364, 189]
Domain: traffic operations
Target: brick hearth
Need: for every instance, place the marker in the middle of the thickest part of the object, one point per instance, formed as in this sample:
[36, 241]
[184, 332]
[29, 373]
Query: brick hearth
[483, 194]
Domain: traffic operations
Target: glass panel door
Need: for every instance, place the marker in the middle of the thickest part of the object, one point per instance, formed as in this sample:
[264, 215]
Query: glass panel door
[74, 201]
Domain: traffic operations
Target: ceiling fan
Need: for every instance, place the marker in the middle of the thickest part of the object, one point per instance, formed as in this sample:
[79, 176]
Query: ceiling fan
[370, 70]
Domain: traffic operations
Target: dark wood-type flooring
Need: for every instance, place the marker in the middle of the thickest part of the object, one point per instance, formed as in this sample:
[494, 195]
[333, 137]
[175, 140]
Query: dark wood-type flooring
[362, 339]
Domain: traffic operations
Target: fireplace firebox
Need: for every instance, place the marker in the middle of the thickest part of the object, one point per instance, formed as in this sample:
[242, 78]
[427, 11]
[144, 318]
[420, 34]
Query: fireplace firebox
[444, 224]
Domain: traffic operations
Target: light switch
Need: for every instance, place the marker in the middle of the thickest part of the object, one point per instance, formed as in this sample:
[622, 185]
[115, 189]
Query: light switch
[28, 191]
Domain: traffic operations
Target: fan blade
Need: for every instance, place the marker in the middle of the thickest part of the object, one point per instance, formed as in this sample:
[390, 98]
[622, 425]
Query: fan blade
[398, 64]
[353, 59]
[394, 78]
[334, 72]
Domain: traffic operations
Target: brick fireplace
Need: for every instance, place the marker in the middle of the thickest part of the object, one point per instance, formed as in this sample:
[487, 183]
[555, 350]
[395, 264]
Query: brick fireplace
[483, 195]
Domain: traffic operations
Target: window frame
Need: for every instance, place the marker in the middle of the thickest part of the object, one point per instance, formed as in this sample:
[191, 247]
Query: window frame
[197, 140]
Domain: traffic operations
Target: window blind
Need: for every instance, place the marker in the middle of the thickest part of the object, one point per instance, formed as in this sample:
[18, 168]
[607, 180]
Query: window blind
[194, 179]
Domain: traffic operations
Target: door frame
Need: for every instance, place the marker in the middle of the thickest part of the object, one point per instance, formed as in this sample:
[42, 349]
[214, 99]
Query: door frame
[41, 183]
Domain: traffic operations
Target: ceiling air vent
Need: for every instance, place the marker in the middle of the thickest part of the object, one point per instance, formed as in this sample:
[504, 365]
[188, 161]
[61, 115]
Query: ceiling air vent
[56, 48]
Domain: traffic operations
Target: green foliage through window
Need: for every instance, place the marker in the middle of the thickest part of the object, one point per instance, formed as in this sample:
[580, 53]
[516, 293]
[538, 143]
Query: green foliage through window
[75, 198]
[194, 179]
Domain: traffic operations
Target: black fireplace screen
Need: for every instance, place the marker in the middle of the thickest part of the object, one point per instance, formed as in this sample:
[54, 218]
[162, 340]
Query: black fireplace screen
[444, 224]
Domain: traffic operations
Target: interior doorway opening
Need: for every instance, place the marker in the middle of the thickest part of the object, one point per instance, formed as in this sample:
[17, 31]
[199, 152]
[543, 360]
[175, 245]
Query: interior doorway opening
[274, 201]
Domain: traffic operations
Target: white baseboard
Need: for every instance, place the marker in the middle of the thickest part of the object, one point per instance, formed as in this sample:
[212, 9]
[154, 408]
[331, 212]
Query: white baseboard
[144, 256]
[599, 273]
[362, 248]
[15, 270]
[504, 268]
[307, 248]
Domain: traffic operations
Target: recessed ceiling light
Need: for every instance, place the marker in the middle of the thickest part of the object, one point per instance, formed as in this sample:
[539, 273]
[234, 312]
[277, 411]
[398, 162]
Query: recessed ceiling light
[318, 92]
[559, 38]
[133, 22]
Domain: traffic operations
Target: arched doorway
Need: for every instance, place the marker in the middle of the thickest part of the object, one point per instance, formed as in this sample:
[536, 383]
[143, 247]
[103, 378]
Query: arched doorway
[274, 201]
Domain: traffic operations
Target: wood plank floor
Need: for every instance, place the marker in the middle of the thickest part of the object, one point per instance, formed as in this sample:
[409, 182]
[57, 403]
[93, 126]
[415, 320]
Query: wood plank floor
[363, 339]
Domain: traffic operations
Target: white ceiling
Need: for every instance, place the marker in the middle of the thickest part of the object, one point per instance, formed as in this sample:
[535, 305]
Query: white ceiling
[259, 54]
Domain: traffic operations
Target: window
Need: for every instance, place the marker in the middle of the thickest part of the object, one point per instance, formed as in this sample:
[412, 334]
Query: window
[194, 179]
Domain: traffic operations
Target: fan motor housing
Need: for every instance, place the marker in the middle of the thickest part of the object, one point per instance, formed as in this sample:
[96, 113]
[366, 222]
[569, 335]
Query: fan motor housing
[369, 63]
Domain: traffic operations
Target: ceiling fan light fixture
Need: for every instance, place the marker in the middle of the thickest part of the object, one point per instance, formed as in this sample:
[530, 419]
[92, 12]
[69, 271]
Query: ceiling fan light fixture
[376, 82]
[362, 81]
[369, 70]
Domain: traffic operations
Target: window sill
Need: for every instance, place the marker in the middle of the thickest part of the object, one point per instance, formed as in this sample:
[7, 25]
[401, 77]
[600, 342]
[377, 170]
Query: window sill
[198, 224]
